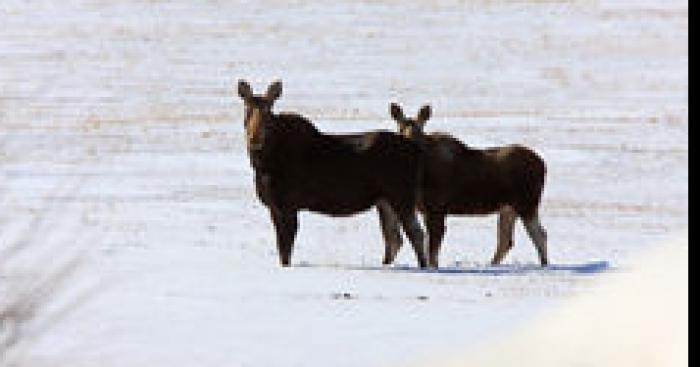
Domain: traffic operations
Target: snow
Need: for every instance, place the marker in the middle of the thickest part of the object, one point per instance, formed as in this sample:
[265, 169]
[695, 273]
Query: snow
[638, 318]
[121, 145]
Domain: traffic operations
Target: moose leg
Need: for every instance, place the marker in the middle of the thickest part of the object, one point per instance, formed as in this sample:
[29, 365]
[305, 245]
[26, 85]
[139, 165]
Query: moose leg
[286, 225]
[506, 223]
[391, 231]
[538, 235]
[435, 223]
[410, 224]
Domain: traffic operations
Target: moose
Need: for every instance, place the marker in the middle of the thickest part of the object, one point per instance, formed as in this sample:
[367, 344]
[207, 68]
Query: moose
[297, 167]
[459, 180]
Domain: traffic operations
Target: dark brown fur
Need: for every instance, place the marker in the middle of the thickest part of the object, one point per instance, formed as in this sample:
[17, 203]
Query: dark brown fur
[299, 168]
[459, 180]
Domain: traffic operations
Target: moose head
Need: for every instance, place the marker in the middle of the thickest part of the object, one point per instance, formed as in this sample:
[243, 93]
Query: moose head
[258, 112]
[410, 128]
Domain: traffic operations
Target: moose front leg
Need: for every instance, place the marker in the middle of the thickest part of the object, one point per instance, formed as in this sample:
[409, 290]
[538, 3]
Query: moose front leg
[286, 226]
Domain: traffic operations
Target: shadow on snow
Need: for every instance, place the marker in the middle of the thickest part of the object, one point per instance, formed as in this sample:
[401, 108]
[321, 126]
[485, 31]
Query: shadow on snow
[593, 267]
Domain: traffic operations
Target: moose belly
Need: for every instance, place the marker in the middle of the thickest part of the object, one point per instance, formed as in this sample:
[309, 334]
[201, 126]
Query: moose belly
[339, 209]
[465, 202]
[341, 199]
[338, 205]
[473, 208]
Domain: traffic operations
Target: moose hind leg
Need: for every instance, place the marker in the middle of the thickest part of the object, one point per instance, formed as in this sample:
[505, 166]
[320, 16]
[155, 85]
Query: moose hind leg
[415, 234]
[391, 230]
[506, 223]
[286, 226]
[435, 223]
[538, 235]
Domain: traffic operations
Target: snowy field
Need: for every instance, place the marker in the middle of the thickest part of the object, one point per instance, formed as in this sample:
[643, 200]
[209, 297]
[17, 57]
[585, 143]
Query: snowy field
[121, 146]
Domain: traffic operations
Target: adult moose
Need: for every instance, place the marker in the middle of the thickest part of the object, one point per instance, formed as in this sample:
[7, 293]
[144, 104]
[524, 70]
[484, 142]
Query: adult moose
[299, 168]
[461, 180]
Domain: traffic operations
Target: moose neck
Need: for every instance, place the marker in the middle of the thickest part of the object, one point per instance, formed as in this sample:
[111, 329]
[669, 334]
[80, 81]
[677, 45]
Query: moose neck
[421, 139]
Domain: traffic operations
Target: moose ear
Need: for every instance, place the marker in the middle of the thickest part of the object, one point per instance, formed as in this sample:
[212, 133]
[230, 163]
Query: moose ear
[396, 112]
[274, 91]
[424, 113]
[244, 90]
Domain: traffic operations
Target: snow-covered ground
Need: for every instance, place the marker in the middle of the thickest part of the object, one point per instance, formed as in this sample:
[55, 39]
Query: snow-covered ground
[637, 318]
[121, 144]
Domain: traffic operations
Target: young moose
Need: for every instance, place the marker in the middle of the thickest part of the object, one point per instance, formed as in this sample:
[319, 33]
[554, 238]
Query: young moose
[299, 168]
[460, 180]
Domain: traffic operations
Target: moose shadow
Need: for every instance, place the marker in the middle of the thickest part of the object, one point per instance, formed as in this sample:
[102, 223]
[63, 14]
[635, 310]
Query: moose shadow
[592, 267]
